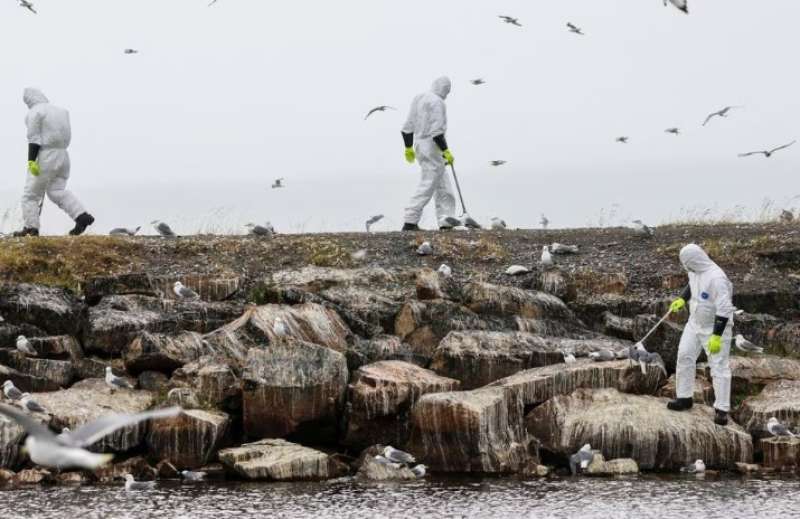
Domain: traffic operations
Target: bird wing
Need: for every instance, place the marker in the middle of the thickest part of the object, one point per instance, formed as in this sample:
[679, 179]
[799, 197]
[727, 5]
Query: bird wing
[782, 147]
[105, 425]
[31, 426]
[749, 153]
[372, 112]
[711, 116]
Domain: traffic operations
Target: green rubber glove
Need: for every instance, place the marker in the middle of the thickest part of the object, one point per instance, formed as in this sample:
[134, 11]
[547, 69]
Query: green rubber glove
[33, 168]
[677, 305]
[410, 155]
[714, 344]
[448, 157]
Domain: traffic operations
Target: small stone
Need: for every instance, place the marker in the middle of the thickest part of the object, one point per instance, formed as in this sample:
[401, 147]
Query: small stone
[72, 478]
[32, 477]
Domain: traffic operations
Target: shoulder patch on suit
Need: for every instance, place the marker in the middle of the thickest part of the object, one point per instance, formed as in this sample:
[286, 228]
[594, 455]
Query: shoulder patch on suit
[704, 295]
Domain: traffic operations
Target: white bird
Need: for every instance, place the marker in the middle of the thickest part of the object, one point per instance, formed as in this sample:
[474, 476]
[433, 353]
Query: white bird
[426, 249]
[184, 292]
[24, 346]
[496, 163]
[698, 467]
[746, 346]
[623, 139]
[767, 153]
[28, 403]
[445, 270]
[683, 5]
[133, 485]
[381, 108]
[131, 51]
[466, 220]
[603, 355]
[478, 81]
[68, 451]
[547, 258]
[719, 113]
[574, 28]
[116, 382]
[420, 471]
[641, 229]
[497, 224]
[517, 270]
[11, 392]
[544, 222]
[359, 255]
[27, 5]
[384, 461]
[673, 131]
[122, 231]
[558, 248]
[264, 231]
[510, 20]
[581, 459]
[373, 220]
[398, 456]
[189, 475]
[278, 183]
[569, 358]
[280, 327]
[163, 229]
[776, 428]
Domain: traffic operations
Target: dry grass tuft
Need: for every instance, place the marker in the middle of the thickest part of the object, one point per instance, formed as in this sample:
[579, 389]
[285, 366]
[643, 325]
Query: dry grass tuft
[486, 248]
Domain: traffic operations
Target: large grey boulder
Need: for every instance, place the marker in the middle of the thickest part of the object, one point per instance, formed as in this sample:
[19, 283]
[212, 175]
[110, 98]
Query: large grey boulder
[55, 310]
[42, 374]
[383, 347]
[780, 399]
[166, 353]
[214, 381]
[279, 460]
[190, 440]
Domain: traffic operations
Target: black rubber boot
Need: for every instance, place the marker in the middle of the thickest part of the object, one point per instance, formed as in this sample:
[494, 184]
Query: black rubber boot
[27, 231]
[81, 223]
[680, 404]
[720, 417]
[411, 227]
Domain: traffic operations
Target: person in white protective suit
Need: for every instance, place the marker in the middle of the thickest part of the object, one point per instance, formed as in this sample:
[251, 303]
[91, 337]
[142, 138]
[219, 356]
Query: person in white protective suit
[710, 327]
[424, 138]
[49, 136]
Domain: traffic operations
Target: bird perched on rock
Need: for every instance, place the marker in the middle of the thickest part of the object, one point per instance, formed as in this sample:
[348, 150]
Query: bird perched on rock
[623, 139]
[420, 470]
[115, 382]
[381, 108]
[640, 229]
[280, 327]
[683, 5]
[719, 113]
[496, 163]
[262, 231]
[24, 346]
[445, 270]
[673, 131]
[786, 216]
[746, 346]
[574, 28]
[603, 355]
[767, 153]
[27, 5]
[189, 475]
[569, 358]
[776, 428]
[11, 392]
[581, 459]
[547, 258]
[544, 222]
[29, 404]
[698, 467]
[278, 183]
[645, 358]
[184, 292]
[426, 249]
[389, 463]
[516, 270]
[131, 51]
[131, 485]
[122, 231]
[373, 220]
[510, 20]
[497, 224]
[398, 456]
[163, 229]
[558, 248]
[477, 82]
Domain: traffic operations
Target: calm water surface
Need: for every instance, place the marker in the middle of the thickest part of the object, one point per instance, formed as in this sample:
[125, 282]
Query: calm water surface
[728, 498]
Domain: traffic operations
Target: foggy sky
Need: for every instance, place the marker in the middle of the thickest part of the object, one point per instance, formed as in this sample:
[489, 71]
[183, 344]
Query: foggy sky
[222, 100]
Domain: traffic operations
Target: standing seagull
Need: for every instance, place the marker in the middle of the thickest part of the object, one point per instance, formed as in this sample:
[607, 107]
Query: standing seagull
[132, 485]
[381, 108]
[673, 131]
[767, 153]
[184, 292]
[776, 428]
[544, 222]
[498, 224]
[398, 456]
[278, 183]
[27, 5]
[683, 5]
[373, 220]
[698, 467]
[720, 113]
[641, 229]
[115, 382]
[581, 459]
[547, 258]
[746, 346]
[24, 346]
[574, 28]
[163, 229]
[623, 139]
[68, 451]
[478, 81]
[122, 231]
[28, 403]
[511, 20]
[11, 392]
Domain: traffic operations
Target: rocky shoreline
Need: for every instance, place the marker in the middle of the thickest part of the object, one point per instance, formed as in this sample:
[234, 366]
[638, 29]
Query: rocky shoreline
[295, 365]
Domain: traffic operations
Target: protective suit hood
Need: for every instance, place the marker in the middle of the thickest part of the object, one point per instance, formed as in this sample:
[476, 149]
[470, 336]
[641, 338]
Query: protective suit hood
[442, 86]
[694, 259]
[33, 97]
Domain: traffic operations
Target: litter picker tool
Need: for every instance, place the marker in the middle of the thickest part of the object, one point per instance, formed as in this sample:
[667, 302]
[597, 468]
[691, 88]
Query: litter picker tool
[466, 219]
[653, 329]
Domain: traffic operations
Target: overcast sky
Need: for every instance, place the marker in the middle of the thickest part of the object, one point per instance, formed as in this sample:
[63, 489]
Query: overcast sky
[221, 100]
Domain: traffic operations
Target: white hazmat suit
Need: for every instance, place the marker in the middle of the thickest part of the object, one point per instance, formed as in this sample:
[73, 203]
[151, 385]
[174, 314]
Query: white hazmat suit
[711, 297]
[428, 119]
[49, 127]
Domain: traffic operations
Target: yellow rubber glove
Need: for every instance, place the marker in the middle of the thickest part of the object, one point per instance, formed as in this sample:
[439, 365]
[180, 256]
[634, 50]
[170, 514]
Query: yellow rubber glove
[677, 305]
[410, 155]
[714, 344]
[33, 168]
[448, 157]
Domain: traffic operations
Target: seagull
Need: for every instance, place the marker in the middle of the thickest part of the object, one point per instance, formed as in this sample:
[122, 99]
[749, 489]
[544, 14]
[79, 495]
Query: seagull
[776, 428]
[544, 222]
[278, 183]
[467, 221]
[122, 231]
[373, 220]
[646, 358]
[49, 450]
[133, 485]
[381, 108]
[184, 292]
[27, 5]
[116, 382]
[477, 82]
[496, 163]
[509, 19]
[786, 217]
[683, 5]
[11, 391]
[574, 28]
[547, 258]
[673, 131]
[698, 467]
[746, 346]
[445, 270]
[420, 471]
[516, 270]
[623, 139]
[581, 459]
[24, 345]
[265, 231]
[426, 249]
[383, 461]
[280, 328]
[28, 403]
[359, 255]
[603, 355]
[641, 229]
[189, 475]
[719, 113]
[162, 229]
[497, 224]
[558, 248]
[767, 153]
[569, 358]
[398, 456]
[131, 51]
[212, 3]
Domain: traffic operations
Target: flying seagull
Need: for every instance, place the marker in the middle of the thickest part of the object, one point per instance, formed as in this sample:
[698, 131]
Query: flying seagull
[581, 459]
[29, 404]
[131, 51]
[190, 475]
[478, 81]
[184, 292]
[673, 131]
[544, 222]
[720, 113]
[381, 108]
[24, 346]
[497, 224]
[115, 382]
[683, 5]
[260, 230]
[776, 428]
[68, 450]
[398, 456]
[122, 231]
[163, 229]
[746, 346]
[278, 183]
[496, 163]
[767, 153]
[511, 20]
[373, 220]
[212, 3]
[27, 5]
[11, 392]
[133, 485]
[623, 139]
[574, 28]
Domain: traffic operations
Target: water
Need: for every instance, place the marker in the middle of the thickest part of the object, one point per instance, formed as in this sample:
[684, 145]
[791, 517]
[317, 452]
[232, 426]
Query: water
[642, 497]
